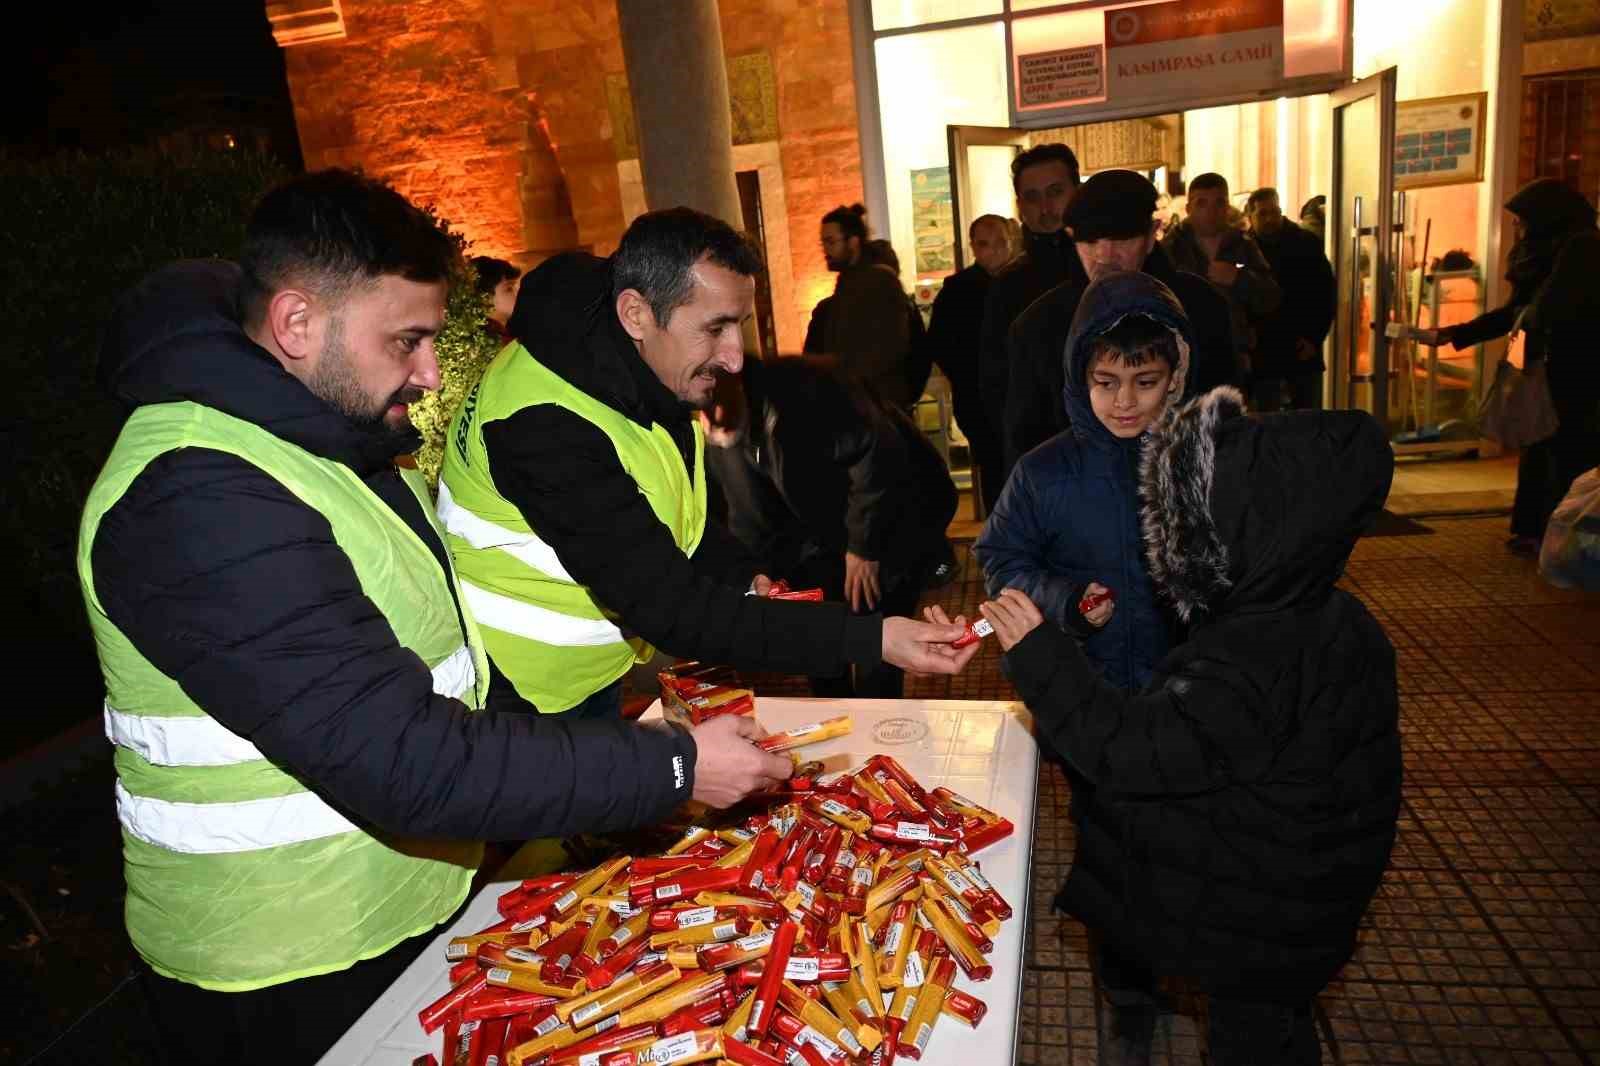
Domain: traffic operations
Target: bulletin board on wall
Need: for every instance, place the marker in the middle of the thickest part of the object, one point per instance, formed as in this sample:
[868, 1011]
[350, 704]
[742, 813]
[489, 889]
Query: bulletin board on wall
[1439, 141]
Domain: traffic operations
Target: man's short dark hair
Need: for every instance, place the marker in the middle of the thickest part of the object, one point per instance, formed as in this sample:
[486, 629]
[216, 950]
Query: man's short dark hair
[492, 271]
[332, 230]
[880, 252]
[1260, 196]
[852, 221]
[1136, 340]
[661, 248]
[1209, 181]
[1043, 153]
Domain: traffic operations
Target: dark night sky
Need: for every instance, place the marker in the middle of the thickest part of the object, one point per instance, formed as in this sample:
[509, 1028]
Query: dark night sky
[100, 74]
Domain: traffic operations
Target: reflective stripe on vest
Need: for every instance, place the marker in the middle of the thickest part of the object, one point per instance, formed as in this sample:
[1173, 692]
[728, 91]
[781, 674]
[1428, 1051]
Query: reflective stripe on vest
[494, 611]
[200, 740]
[481, 533]
[247, 825]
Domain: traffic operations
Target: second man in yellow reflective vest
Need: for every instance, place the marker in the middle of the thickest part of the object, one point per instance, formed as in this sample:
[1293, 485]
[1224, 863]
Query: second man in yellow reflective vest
[573, 489]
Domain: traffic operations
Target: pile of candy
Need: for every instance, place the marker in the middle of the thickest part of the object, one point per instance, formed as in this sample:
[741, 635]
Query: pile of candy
[828, 929]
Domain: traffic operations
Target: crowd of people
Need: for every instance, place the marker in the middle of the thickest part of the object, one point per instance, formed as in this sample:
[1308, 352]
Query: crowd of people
[326, 684]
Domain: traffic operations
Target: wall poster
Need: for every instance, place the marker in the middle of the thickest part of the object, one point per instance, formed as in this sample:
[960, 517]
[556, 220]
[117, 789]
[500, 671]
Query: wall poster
[1439, 141]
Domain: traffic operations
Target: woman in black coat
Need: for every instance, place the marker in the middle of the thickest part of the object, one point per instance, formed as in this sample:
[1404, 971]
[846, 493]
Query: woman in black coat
[1552, 271]
[1246, 798]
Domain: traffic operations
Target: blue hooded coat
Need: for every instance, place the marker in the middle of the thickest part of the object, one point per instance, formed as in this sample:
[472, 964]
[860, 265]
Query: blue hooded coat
[1069, 514]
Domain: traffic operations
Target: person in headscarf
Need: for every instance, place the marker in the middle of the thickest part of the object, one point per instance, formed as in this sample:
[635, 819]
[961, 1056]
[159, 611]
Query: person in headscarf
[1552, 271]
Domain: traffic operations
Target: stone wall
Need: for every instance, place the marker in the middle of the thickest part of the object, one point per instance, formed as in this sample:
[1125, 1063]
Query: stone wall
[495, 111]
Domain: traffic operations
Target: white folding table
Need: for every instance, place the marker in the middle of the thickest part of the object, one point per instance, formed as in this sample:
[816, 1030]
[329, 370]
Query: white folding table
[983, 750]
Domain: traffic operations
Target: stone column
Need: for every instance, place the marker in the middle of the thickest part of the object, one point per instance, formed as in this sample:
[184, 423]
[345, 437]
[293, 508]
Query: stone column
[678, 78]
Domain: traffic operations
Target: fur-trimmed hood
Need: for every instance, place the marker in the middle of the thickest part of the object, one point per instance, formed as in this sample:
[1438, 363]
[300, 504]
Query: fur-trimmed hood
[1244, 513]
[1105, 303]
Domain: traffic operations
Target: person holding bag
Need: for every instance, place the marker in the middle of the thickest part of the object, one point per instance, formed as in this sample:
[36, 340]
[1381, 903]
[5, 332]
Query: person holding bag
[1552, 269]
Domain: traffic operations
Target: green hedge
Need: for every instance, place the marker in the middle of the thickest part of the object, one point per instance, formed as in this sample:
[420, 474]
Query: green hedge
[77, 231]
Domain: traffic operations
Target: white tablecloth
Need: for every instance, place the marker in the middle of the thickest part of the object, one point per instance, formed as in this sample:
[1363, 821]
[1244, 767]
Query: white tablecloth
[983, 750]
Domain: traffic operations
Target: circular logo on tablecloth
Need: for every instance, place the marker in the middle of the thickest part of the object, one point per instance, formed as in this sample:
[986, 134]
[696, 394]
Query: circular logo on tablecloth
[1124, 26]
[899, 731]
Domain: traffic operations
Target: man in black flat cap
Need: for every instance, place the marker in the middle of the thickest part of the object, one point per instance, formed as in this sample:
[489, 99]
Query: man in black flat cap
[1113, 227]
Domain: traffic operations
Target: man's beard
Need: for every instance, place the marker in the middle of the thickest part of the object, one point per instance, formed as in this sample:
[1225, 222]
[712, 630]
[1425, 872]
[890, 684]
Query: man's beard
[835, 265]
[336, 383]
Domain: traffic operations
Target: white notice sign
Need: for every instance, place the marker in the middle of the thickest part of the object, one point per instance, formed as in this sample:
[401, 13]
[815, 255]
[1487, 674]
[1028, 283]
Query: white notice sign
[1060, 76]
[1187, 48]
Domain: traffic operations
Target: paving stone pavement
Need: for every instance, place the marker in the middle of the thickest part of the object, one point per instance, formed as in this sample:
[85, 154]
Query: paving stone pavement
[1483, 943]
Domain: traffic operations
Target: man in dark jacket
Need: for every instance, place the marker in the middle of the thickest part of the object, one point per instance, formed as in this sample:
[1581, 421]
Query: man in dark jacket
[610, 352]
[1289, 340]
[1246, 799]
[865, 324]
[1113, 229]
[1205, 243]
[247, 605]
[830, 489]
[954, 338]
[1045, 179]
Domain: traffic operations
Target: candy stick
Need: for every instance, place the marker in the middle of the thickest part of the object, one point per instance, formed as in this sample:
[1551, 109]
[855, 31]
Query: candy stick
[976, 631]
[777, 962]
[800, 736]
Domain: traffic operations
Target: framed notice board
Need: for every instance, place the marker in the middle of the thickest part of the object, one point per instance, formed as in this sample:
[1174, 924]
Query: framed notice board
[1439, 141]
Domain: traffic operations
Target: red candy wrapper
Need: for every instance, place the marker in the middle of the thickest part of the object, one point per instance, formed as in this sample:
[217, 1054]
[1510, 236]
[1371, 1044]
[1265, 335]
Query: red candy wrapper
[1090, 602]
[976, 631]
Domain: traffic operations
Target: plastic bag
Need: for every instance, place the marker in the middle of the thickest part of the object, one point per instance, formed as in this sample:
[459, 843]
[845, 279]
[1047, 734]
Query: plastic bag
[1570, 555]
[1518, 410]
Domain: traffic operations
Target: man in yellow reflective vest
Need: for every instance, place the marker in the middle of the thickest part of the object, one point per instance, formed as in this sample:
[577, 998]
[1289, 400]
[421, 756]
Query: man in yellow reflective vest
[573, 490]
[305, 746]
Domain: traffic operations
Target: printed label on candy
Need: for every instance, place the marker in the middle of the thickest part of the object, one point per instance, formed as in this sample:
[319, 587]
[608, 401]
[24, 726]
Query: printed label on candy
[912, 831]
[952, 878]
[672, 891]
[531, 923]
[754, 943]
[622, 936]
[532, 958]
[847, 858]
[809, 1035]
[891, 943]
[914, 972]
[566, 901]
[623, 909]
[803, 730]
[498, 975]
[833, 806]
[725, 931]
[977, 877]
[584, 1013]
[697, 916]
[862, 875]
[808, 894]
[803, 969]
[606, 1023]
[650, 958]
[672, 1049]
[547, 1025]
[455, 952]
[924, 1034]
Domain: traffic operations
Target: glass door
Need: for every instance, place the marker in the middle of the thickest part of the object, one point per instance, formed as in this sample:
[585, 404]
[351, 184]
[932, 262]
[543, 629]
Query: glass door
[980, 176]
[1362, 250]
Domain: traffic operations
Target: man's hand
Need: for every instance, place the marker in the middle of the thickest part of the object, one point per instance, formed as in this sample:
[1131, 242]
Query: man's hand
[761, 585]
[728, 767]
[924, 647]
[1097, 617]
[861, 581]
[1013, 616]
[1221, 272]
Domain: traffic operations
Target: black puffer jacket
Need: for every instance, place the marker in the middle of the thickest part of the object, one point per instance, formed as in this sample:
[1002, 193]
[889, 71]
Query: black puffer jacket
[825, 468]
[228, 583]
[1246, 799]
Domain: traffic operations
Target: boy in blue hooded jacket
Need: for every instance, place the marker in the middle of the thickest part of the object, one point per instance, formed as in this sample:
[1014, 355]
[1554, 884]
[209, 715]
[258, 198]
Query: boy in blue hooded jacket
[1066, 528]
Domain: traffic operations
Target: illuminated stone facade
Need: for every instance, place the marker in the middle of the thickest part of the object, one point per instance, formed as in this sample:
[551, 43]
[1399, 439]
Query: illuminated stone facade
[496, 113]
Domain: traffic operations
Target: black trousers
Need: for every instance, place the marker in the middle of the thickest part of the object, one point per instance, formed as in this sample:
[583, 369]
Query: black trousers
[293, 1022]
[1544, 474]
[901, 590]
[1243, 1032]
[984, 441]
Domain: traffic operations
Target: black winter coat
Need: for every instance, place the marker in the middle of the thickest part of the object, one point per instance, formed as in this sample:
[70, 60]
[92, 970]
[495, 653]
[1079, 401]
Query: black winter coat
[1035, 410]
[563, 473]
[1246, 799]
[824, 468]
[228, 583]
[1046, 261]
[1309, 294]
